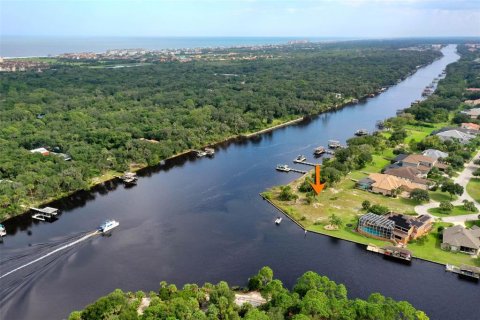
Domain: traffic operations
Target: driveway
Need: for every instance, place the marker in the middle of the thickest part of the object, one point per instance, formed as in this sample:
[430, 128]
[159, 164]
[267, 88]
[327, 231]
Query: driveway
[462, 179]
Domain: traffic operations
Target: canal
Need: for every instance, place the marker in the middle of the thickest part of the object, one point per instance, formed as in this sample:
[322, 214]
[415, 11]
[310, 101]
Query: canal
[202, 220]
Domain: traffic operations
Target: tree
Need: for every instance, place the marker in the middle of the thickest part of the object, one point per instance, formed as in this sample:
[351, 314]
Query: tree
[469, 206]
[420, 195]
[366, 205]
[286, 194]
[446, 206]
[452, 188]
[335, 220]
[379, 209]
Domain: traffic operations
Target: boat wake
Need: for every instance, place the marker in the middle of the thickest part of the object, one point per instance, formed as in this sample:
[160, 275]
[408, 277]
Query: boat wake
[44, 256]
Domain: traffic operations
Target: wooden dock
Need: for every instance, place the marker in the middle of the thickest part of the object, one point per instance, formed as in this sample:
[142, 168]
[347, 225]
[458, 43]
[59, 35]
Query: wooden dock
[307, 163]
[298, 171]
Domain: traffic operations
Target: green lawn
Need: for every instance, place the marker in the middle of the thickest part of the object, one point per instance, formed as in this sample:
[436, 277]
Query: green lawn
[456, 211]
[473, 188]
[441, 196]
[430, 250]
[472, 223]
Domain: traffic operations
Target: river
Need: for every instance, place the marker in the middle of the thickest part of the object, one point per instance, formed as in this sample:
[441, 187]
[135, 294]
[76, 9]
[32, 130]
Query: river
[199, 220]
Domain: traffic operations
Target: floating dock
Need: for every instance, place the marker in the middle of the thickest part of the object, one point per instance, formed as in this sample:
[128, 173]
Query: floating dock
[285, 168]
[464, 270]
[45, 213]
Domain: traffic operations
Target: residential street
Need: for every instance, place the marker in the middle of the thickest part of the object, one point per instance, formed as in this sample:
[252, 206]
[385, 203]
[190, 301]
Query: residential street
[462, 179]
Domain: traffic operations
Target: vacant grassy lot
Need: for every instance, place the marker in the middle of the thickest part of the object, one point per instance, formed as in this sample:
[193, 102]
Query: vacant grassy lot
[440, 196]
[473, 188]
[456, 211]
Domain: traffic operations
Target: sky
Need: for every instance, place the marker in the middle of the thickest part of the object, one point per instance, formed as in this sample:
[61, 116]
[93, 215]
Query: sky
[213, 18]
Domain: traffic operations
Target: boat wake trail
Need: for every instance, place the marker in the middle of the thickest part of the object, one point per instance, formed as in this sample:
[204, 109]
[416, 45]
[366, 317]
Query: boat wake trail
[66, 246]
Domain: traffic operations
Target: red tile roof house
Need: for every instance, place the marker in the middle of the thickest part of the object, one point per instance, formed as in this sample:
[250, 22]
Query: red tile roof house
[470, 126]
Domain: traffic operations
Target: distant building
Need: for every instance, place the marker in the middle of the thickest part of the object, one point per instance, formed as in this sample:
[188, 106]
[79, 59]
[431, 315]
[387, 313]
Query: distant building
[387, 184]
[43, 151]
[410, 173]
[470, 126]
[435, 154]
[473, 113]
[472, 103]
[457, 238]
[458, 135]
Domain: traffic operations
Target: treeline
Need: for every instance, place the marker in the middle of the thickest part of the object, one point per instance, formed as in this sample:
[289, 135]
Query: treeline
[312, 297]
[99, 116]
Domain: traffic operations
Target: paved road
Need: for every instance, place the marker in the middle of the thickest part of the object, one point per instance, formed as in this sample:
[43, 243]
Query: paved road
[462, 179]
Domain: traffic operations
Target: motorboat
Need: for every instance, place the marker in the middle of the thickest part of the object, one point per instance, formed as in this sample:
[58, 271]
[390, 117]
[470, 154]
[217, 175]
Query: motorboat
[3, 232]
[130, 178]
[209, 152]
[300, 158]
[283, 167]
[361, 132]
[278, 220]
[333, 144]
[108, 225]
[319, 151]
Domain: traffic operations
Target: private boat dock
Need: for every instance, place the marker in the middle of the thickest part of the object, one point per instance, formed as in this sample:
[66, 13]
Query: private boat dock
[285, 168]
[464, 270]
[45, 213]
[391, 251]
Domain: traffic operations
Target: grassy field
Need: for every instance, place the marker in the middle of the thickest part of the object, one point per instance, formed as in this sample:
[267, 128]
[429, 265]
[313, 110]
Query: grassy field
[440, 196]
[473, 188]
[456, 211]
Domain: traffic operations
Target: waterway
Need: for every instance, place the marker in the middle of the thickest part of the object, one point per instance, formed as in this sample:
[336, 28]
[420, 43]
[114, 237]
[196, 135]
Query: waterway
[199, 220]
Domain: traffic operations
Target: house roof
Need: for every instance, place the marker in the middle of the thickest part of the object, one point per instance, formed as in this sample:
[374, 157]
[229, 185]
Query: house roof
[472, 112]
[459, 236]
[470, 126]
[400, 157]
[455, 134]
[472, 102]
[434, 153]
[389, 182]
[409, 173]
[40, 150]
[417, 158]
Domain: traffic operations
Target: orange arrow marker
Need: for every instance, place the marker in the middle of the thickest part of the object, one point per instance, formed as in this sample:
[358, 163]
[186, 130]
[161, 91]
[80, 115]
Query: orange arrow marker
[318, 187]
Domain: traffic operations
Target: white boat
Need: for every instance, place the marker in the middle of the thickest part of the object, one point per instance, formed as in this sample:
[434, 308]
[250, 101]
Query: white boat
[278, 220]
[130, 178]
[361, 132]
[209, 151]
[319, 151]
[301, 158]
[3, 232]
[283, 167]
[200, 153]
[108, 225]
[333, 144]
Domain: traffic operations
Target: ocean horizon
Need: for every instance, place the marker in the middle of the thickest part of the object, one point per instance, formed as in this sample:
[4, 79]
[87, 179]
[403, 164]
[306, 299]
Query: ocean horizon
[43, 46]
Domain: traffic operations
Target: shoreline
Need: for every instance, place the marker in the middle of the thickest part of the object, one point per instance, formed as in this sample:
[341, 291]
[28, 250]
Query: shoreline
[285, 213]
[96, 181]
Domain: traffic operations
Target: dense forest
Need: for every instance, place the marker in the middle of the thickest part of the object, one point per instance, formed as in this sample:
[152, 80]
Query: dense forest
[100, 117]
[312, 297]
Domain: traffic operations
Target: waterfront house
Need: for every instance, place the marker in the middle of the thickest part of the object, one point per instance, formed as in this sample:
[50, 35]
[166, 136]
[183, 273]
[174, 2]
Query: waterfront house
[409, 228]
[42, 151]
[435, 154]
[458, 238]
[472, 113]
[458, 135]
[394, 227]
[470, 126]
[387, 184]
[472, 103]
